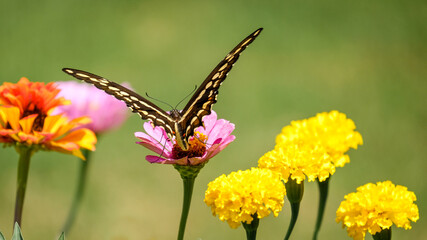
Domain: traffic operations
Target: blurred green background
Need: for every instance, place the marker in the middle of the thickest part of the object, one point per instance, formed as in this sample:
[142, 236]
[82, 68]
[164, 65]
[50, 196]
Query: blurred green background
[364, 58]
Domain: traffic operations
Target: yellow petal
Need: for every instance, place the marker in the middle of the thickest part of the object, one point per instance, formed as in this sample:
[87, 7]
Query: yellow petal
[27, 123]
[29, 138]
[84, 137]
[12, 116]
[81, 121]
[53, 123]
[78, 154]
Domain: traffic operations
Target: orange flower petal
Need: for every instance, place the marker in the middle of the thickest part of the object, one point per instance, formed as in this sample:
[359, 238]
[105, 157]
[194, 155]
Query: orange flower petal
[53, 123]
[29, 138]
[3, 118]
[27, 123]
[81, 121]
[68, 148]
[37, 99]
[64, 128]
[5, 132]
[31, 96]
[73, 124]
[84, 137]
[12, 116]
[78, 154]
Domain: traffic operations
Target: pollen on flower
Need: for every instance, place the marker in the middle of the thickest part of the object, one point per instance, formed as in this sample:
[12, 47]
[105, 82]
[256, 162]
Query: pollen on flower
[197, 147]
[375, 207]
[237, 197]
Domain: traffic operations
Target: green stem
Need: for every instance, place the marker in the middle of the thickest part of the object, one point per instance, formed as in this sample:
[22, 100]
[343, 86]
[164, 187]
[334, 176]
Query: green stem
[295, 192]
[294, 217]
[323, 195]
[385, 234]
[188, 175]
[188, 192]
[22, 177]
[81, 185]
[251, 228]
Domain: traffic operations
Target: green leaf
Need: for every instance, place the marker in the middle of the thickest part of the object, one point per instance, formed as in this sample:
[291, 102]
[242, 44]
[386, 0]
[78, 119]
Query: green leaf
[18, 236]
[62, 237]
[17, 232]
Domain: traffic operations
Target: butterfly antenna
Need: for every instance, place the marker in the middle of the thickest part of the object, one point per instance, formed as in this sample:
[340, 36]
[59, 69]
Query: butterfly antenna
[186, 96]
[158, 100]
[204, 142]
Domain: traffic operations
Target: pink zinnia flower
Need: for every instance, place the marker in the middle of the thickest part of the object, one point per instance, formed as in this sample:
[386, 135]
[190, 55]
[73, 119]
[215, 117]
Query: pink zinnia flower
[207, 142]
[105, 111]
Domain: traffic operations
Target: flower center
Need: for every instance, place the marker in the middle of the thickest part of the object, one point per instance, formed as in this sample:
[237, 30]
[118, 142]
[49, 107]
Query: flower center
[39, 121]
[197, 147]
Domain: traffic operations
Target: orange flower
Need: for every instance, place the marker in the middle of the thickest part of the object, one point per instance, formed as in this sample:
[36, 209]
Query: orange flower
[31, 97]
[25, 119]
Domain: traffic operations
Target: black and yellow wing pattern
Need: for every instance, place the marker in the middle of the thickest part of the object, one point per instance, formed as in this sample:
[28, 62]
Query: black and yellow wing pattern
[178, 124]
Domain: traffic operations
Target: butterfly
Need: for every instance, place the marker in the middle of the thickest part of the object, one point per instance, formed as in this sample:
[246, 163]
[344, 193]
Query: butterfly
[178, 124]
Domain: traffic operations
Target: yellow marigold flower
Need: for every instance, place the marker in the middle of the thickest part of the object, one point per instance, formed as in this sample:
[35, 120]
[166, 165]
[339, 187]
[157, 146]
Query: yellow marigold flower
[239, 196]
[375, 207]
[298, 159]
[333, 130]
[25, 118]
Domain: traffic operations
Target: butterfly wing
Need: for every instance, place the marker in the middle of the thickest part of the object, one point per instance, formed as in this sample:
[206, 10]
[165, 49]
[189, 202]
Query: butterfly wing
[205, 96]
[137, 103]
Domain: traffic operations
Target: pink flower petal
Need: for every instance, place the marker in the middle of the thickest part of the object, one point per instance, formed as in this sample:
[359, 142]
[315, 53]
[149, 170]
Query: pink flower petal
[152, 144]
[155, 159]
[209, 122]
[105, 111]
[218, 132]
[158, 135]
[224, 144]
[221, 129]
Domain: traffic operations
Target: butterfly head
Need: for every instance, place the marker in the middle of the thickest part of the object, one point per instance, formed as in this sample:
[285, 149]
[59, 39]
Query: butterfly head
[174, 113]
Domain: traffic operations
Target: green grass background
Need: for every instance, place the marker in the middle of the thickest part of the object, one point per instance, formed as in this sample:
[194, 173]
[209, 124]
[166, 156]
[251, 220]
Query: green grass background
[364, 58]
